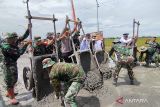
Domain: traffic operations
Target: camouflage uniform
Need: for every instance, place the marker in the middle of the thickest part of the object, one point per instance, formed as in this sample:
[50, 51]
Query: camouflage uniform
[11, 54]
[156, 55]
[72, 75]
[39, 50]
[151, 54]
[1, 60]
[122, 54]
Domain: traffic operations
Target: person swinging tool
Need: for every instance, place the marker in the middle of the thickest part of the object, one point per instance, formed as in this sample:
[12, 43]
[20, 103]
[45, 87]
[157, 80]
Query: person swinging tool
[66, 44]
[72, 75]
[124, 58]
[12, 52]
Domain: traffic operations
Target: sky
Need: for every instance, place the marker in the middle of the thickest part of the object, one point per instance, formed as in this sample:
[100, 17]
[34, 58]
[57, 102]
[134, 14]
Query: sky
[115, 16]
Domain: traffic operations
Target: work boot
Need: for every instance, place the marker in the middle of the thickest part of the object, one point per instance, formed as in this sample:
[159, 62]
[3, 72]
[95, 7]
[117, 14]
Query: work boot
[66, 104]
[7, 94]
[13, 100]
[132, 82]
[147, 65]
[115, 81]
[157, 64]
[57, 95]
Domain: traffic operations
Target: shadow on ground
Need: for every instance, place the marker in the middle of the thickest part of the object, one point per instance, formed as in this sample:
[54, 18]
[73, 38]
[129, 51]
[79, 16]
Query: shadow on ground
[92, 101]
[19, 105]
[127, 81]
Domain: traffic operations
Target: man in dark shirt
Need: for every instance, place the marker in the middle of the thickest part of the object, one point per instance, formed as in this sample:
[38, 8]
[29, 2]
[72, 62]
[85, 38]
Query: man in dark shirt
[39, 47]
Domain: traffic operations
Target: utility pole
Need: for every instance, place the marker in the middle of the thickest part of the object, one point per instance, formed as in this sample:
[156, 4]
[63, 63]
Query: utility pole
[97, 16]
[73, 11]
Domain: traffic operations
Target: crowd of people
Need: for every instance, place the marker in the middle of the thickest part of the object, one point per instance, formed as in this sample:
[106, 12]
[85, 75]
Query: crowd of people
[13, 46]
[123, 52]
[10, 52]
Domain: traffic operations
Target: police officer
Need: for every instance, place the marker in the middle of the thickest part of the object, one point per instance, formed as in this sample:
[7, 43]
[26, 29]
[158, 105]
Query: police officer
[71, 74]
[11, 53]
[124, 59]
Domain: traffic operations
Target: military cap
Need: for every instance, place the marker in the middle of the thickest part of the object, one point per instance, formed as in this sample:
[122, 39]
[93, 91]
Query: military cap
[11, 35]
[47, 62]
[142, 48]
[37, 38]
[126, 34]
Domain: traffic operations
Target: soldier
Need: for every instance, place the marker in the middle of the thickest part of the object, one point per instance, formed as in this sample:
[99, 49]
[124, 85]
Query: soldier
[156, 56]
[151, 40]
[39, 47]
[116, 41]
[1, 58]
[71, 74]
[149, 51]
[11, 53]
[124, 59]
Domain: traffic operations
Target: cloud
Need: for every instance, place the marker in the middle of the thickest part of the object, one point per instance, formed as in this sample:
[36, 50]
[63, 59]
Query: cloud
[115, 16]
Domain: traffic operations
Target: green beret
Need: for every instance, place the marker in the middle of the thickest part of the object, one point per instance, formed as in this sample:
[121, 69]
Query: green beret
[37, 38]
[47, 62]
[11, 35]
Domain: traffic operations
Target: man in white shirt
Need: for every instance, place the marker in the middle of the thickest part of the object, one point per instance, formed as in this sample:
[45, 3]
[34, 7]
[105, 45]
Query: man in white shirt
[130, 42]
[98, 45]
[85, 43]
[125, 40]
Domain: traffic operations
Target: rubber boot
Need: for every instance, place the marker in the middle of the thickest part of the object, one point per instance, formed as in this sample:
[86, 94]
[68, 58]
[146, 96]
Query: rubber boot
[132, 82]
[13, 100]
[8, 95]
[115, 81]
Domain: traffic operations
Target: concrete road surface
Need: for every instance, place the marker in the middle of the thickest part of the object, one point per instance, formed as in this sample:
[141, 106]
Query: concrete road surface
[145, 92]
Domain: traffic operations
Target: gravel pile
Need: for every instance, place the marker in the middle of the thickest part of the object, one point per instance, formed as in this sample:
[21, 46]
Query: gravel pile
[107, 72]
[93, 80]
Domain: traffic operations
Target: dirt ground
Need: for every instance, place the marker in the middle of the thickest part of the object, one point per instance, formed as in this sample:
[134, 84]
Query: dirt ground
[145, 92]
